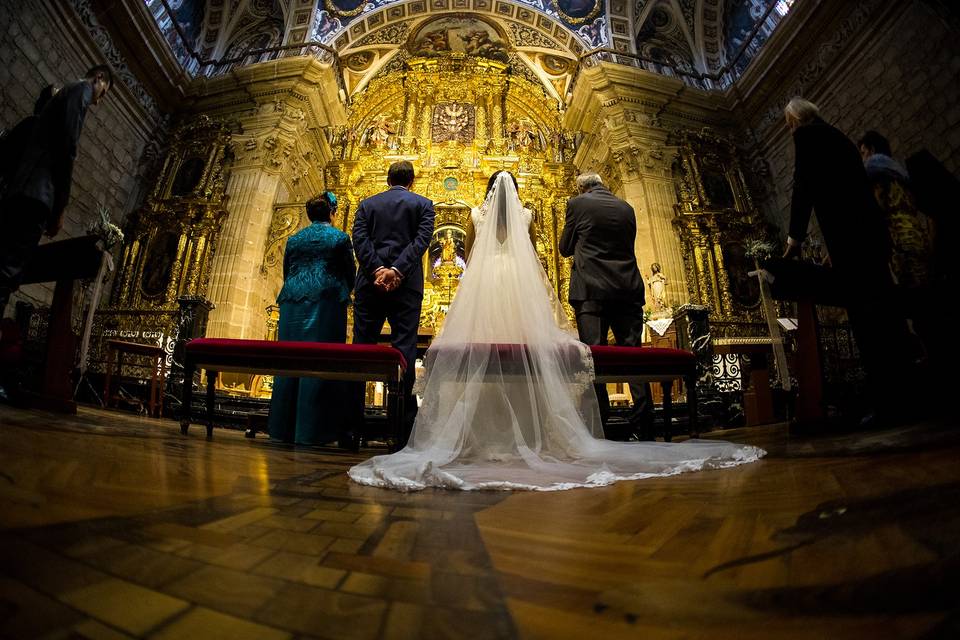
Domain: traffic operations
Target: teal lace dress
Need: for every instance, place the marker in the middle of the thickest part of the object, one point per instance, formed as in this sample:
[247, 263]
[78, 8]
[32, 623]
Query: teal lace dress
[318, 275]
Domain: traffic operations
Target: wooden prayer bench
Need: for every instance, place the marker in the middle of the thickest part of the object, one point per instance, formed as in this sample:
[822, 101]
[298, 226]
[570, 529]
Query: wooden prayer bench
[329, 361]
[158, 372]
[651, 364]
[63, 262]
[624, 364]
[809, 285]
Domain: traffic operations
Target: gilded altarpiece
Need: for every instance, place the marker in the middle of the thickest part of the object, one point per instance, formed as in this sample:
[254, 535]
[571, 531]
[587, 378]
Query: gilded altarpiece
[458, 119]
[716, 222]
[169, 241]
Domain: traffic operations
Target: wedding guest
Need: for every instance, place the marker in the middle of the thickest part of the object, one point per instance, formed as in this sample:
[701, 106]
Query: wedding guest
[392, 230]
[911, 236]
[829, 177]
[15, 140]
[911, 231]
[937, 193]
[318, 276]
[39, 189]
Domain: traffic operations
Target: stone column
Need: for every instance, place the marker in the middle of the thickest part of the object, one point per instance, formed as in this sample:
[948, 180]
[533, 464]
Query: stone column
[235, 286]
[652, 198]
[659, 198]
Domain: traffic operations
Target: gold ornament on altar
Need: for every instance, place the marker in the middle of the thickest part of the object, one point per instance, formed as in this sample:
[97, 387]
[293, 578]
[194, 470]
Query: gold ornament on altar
[453, 121]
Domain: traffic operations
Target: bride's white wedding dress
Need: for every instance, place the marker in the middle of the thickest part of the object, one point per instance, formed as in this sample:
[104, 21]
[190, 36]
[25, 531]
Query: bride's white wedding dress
[508, 400]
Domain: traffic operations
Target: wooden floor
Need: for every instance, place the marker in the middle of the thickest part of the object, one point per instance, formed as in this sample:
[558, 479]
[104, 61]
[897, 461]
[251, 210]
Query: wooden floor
[114, 526]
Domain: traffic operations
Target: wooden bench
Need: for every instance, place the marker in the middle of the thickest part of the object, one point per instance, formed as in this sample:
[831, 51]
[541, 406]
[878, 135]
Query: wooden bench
[330, 361]
[386, 364]
[617, 364]
[651, 364]
[63, 262]
[157, 374]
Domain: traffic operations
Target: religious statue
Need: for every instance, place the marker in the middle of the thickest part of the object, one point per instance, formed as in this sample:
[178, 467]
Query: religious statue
[448, 250]
[657, 284]
[381, 132]
[522, 135]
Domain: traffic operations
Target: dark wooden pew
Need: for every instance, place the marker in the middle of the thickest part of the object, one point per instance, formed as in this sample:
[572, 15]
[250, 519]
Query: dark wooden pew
[63, 262]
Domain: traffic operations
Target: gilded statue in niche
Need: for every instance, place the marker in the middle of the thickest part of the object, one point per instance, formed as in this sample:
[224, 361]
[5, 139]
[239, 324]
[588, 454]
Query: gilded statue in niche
[447, 250]
[523, 135]
[382, 132]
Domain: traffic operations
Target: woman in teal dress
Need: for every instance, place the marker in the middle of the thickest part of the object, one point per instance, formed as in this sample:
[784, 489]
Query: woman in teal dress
[318, 275]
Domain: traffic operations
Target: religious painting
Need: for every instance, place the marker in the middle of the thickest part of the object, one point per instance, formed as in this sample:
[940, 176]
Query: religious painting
[447, 253]
[158, 266]
[555, 65]
[744, 288]
[360, 61]
[325, 25]
[453, 121]
[716, 186]
[577, 11]
[188, 177]
[459, 34]
[346, 8]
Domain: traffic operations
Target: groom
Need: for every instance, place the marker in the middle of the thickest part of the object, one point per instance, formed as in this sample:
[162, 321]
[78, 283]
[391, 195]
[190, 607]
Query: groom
[390, 235]
[606, 290]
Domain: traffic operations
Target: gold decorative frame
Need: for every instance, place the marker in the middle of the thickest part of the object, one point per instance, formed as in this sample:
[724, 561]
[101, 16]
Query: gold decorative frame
[597, 7]
[335, 11]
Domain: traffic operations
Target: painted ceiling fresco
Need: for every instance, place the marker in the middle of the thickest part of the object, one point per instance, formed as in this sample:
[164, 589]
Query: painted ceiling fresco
[686, 38]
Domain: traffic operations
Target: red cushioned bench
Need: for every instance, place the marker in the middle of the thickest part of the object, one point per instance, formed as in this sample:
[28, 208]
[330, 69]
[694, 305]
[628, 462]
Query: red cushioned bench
[331, 361]
[651, 364]
[619, 364]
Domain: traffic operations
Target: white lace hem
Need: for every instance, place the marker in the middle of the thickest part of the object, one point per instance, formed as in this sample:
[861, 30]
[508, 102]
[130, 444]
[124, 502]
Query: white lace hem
[428, 475]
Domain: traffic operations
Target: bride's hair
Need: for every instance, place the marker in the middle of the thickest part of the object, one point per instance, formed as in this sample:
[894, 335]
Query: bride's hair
[493, 179]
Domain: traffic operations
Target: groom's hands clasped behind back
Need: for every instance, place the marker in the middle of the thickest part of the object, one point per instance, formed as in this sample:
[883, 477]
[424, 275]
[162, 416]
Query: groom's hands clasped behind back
[386, 279]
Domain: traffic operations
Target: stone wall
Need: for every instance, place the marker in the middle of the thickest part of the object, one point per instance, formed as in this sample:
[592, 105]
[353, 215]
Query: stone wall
[39, 46]
[892, 67]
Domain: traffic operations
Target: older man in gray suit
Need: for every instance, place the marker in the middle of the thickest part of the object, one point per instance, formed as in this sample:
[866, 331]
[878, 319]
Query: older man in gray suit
[606, 290]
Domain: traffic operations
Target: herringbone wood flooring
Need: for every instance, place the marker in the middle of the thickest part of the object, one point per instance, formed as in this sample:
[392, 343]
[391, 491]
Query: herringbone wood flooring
[114, 526]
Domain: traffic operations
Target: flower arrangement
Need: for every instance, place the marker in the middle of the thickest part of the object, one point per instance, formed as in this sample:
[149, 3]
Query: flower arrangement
[760, 250]
[104, 229]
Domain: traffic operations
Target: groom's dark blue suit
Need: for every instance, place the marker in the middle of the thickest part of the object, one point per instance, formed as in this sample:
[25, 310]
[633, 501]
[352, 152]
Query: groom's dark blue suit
[392, 229]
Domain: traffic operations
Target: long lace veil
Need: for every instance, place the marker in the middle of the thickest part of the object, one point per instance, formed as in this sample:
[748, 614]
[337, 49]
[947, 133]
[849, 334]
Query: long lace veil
[508, 400]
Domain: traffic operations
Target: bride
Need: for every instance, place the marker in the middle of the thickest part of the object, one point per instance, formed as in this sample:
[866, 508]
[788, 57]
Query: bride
[508, 399]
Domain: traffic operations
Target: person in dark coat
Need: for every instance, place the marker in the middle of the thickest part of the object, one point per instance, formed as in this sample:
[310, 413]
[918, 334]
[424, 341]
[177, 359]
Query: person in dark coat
[391, 232]
[829, 178]
[39, 189]
[318, 276]
[15, 140]
[606, 289]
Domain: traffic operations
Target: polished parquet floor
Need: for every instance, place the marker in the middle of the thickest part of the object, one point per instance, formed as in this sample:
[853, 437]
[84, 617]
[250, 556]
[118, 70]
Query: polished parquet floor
[113, 526]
